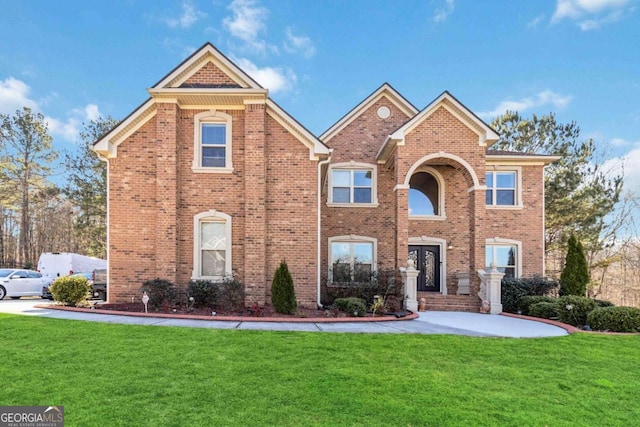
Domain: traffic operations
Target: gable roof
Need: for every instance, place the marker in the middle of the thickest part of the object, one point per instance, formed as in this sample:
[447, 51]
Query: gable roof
[172, 88]
[385, 90]
[486, 135]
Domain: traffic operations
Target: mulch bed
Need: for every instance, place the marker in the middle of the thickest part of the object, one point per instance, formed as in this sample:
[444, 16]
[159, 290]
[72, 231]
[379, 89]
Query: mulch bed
[263, 313]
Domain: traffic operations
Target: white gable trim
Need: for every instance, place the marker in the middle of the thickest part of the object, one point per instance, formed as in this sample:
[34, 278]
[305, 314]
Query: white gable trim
[385, 91]
[486, 135]
[316, 147]
[195, 62]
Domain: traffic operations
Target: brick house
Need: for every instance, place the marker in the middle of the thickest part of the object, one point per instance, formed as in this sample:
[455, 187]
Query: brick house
[210, 177]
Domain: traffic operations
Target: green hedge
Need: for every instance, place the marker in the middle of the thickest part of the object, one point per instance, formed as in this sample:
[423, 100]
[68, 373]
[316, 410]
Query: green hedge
[525, 303]
[574, 310]
[70, 290]
[354, 307]
[162, 293]
[615, 319]
[514, 289]
[544, 310]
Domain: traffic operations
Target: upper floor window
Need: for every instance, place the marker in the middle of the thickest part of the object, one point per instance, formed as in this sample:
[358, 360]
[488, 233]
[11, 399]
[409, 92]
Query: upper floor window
[426, 194]
[212, 245]
[352, 184]
[212, 142]
[352, 258]
[501, 188]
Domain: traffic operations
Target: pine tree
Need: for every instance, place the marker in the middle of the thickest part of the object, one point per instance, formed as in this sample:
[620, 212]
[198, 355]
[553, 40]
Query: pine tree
[575, 276]
[283, 295]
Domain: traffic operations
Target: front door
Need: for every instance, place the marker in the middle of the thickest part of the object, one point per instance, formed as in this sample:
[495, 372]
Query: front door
[427, 260]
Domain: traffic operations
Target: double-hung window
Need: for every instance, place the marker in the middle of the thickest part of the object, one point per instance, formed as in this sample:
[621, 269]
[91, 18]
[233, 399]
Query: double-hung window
[212, 245]
[501, 188]
[212, 142]
[352, 186]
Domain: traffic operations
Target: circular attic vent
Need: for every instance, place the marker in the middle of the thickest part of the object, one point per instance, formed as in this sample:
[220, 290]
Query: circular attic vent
[384, 112]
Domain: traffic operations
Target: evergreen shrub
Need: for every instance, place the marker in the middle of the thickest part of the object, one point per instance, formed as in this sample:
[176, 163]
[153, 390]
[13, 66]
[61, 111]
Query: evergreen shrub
[70, 290]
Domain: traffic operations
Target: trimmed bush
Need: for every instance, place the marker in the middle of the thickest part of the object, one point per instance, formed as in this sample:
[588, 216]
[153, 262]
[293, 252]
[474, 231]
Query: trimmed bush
[513, 289]
[575, 275]
[544, 310]
[615, 319]
[70, 290]
[603, 303]
[525, 303]
[354, 307]
[574, 310]
[203, 293]
[382, 282]
[283, 295]
[161, 292]
[229, 295]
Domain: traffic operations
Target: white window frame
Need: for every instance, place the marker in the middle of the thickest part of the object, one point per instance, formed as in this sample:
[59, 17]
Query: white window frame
[517, 197]
[217, 117]
[353, 239]
[211, 216]
[500, 242]
[438, 177]
[351, 167]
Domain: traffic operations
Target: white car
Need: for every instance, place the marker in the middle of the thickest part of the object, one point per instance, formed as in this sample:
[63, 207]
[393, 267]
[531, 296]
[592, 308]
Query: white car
[16, 283]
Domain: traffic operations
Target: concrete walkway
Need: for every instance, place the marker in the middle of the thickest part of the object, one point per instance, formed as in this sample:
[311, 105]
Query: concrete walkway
[431, 322]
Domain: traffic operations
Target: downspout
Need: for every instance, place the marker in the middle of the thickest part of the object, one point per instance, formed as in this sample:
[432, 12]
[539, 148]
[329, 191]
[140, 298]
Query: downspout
[318, 240]
[106, 160]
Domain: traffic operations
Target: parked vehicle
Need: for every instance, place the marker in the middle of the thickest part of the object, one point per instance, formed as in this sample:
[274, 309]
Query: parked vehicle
[99, 283]
[16, 283]
[56, 264]
[98, 290]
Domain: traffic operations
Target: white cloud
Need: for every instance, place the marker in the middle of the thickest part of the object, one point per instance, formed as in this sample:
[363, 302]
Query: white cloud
[591, 14]
[443, 12]
[14, 94]
[302, 44]
[188, 17]
[275, 79]
[620, 142]
[541, 99]
[629, 166]
[247, 23]
[535, 22]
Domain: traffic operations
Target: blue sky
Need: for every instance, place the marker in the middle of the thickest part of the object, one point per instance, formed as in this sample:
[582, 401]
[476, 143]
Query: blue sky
[75, 60]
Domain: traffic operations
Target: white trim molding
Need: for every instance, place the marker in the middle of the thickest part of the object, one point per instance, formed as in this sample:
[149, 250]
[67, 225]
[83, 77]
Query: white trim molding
[353, 166]
[212, 116]
[441, 215]
[499, 241]
[211, 216]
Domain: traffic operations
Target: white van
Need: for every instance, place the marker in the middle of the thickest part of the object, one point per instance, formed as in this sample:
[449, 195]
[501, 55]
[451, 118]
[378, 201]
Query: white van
[57, 264]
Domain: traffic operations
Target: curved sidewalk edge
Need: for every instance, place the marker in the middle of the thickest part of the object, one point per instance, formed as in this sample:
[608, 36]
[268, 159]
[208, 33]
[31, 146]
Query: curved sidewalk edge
[569, 328]
[410, 316]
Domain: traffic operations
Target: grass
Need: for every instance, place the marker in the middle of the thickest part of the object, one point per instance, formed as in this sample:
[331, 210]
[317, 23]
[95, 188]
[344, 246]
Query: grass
[123, 375]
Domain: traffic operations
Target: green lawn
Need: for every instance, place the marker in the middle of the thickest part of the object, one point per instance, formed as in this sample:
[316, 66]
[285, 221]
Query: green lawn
[120, 375]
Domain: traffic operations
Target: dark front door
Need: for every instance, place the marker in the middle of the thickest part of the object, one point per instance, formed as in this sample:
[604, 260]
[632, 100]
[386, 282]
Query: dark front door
[427, 260]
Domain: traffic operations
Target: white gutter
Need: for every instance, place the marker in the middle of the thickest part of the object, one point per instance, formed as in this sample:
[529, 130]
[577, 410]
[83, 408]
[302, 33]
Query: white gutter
[320, 164]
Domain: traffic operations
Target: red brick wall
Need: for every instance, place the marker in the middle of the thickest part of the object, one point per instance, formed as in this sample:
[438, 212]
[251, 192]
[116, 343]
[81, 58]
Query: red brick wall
[360, 142]
[210, 74]
[132, 215]
[271, 197]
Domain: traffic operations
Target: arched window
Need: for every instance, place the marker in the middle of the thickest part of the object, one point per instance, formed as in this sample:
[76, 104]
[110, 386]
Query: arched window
[425, 194]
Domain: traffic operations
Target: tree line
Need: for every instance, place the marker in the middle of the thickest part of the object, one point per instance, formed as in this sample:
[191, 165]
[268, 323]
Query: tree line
[581, 198]
[38, 212]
